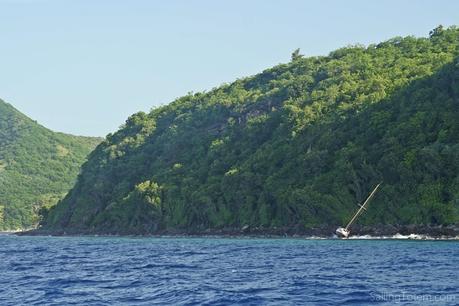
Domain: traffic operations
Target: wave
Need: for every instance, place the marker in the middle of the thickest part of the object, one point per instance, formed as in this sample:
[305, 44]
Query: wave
[404, 237]
[397, 236]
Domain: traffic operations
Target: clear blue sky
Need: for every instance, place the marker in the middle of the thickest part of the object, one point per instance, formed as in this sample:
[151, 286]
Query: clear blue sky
[83, 67]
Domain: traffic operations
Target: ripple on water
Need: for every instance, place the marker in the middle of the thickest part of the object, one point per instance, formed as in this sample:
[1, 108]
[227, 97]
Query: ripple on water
[160, 271]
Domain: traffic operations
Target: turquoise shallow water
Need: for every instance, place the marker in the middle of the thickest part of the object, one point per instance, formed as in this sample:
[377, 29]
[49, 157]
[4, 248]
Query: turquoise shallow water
[190, 271]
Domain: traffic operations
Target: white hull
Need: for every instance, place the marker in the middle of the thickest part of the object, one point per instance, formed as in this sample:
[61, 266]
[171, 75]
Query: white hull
[341, 232]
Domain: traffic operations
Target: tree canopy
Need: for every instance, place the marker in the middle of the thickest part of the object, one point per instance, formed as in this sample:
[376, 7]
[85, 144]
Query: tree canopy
[297, 145]
[37, 167]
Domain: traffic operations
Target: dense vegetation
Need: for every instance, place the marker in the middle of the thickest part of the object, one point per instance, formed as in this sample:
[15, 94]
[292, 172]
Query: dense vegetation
[297, 145]
[37, 167]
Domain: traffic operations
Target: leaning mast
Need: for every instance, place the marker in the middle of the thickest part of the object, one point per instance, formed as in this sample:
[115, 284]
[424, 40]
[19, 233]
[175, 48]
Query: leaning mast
[362, 207]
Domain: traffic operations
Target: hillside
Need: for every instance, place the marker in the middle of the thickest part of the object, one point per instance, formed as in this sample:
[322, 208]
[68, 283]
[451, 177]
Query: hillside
[37, 167]
[297, 145]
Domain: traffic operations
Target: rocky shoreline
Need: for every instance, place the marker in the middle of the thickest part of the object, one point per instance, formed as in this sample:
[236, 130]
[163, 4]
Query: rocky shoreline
[326, 231]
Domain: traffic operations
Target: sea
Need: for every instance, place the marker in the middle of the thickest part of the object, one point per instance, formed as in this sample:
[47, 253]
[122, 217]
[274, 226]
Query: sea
[227, 271]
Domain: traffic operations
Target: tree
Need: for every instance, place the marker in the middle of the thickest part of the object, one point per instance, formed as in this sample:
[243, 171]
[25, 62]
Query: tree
[296, 55]
[437, 31]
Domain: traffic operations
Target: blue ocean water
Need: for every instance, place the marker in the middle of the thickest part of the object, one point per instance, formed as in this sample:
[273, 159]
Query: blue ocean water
[190, 271]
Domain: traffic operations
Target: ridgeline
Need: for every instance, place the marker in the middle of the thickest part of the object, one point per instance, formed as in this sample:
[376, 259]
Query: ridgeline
[296, 146]
[37, 167]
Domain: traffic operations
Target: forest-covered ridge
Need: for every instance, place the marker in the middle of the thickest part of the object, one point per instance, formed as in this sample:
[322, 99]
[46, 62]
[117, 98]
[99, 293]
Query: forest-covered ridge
[37, 167]
[297, 145]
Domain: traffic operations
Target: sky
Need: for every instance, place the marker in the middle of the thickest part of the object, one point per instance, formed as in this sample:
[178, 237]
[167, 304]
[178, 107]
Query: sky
[84, 66]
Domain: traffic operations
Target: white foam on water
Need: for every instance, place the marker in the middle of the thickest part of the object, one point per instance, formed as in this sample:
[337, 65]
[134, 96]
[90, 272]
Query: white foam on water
[399, 236]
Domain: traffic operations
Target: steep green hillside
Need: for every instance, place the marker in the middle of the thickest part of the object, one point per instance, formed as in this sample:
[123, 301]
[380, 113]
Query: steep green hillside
[297, 145]
[37, 167]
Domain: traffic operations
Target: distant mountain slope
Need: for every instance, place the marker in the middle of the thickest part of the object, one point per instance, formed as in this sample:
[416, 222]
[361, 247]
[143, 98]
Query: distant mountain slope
[37, 167]
[297, 145]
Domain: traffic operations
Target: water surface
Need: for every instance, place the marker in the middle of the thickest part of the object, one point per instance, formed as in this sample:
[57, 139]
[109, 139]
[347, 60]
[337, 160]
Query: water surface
[189, 271]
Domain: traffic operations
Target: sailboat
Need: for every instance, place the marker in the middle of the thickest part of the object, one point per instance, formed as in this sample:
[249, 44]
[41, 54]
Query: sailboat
[344, 232]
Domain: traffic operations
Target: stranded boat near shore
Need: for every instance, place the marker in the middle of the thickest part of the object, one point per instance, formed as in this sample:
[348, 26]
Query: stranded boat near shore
[344, 232]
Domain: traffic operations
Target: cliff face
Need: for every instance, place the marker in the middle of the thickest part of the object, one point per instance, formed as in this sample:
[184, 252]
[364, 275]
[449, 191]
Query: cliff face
[37, 167]
[297, 145]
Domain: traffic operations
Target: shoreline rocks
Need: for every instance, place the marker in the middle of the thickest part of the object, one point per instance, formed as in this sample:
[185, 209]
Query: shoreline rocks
[325, 231]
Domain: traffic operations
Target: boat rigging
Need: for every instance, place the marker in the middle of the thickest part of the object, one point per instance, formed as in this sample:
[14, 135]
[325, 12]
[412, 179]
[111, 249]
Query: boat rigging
[344, 232]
